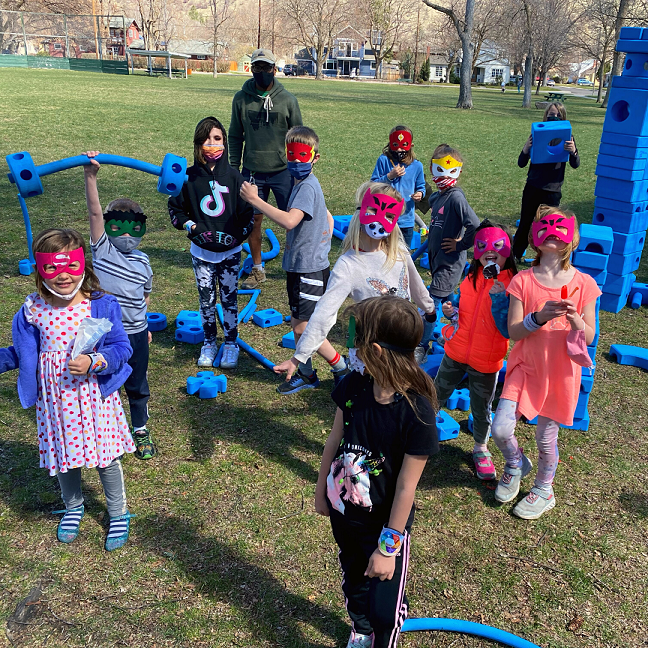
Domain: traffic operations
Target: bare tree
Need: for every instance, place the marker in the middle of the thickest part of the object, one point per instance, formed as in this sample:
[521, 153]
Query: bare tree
[619, 22]
[487, 28]
[464, 31]
[316, 23]
[220, 11]
[157, 23]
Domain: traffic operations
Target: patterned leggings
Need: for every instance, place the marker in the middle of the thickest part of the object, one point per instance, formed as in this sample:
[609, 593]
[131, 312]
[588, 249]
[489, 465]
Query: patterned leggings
[225, 275]
[503, 432]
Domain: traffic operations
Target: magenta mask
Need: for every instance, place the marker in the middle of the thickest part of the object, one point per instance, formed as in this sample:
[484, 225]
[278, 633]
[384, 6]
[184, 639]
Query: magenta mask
[61, 262]
[387, 210]
[553, 225]
[492, 239]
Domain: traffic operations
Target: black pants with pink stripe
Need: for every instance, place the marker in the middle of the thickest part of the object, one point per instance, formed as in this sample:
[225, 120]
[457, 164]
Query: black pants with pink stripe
[375, 607]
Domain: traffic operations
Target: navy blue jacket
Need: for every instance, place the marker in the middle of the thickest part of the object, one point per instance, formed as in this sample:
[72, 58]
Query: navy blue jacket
[23, 355]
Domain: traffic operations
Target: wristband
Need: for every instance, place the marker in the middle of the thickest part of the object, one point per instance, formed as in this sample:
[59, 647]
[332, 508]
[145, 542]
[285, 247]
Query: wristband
[97, 363]
[431, 318]
[531, 323]
[188, 225]
[390, 542]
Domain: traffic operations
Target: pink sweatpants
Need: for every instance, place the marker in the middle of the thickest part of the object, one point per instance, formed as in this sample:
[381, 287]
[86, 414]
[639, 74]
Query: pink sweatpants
[503, 431]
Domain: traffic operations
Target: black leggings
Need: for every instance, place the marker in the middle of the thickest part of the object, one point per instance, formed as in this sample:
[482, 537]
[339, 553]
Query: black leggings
[532, 198]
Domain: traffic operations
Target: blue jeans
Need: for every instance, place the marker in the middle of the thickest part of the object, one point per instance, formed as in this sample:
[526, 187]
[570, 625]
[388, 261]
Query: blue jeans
[407, 233]
[280, 182]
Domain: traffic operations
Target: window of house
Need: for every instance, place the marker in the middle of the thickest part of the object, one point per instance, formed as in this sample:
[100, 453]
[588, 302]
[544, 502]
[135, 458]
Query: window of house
[373, 65]
[329, 64]
[438, 71]
[130, 33]
[58, 46]
[497, 72]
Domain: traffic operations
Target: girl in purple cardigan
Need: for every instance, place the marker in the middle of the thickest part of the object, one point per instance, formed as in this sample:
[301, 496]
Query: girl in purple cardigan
[80, 418]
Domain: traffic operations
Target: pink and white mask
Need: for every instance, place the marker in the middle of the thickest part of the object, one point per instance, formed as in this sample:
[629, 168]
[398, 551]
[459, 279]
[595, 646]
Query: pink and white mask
[379, 213]
[492, 239]
[553, 225]
[61, 262]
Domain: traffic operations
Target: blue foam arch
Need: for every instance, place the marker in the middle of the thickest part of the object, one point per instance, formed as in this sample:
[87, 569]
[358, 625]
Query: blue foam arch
[469, 628]
[274, 247]
[422, 249]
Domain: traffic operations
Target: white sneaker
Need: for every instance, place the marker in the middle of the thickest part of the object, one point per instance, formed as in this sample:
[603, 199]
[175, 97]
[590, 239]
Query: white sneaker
[357, 640]
[207, 355]
[230, 357]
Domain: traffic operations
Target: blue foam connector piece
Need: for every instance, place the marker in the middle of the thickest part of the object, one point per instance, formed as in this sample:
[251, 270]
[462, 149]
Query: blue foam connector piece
[453, 399]
[627, 111]
[591, 260]
[188, 318]
[190, 334]
[549, 142]
[619, 285]
[437, 349]
[628, 243]
[613, 303]
[596, 238]
[618, 162]
[287, 318]
[587, 382]
[432, 364]
[425, 261]
[156, 322]
[288, 340]
[624, 264]
[463, 401]
[623, 190]
[618, 151]
[206, 384]
[471, 422]
[626, 218]
[633, 41]
[274, 247]
[341, 224]
[447, 427]
[267, 317]
[600, 276]
[25, 267]
[639, 294]
[517, 223]
[618, 173]
[416, 241]
[626, 354]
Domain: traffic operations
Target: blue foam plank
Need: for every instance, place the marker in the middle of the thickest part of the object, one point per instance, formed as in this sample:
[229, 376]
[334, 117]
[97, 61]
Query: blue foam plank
[628, 243]
[630, 164]
[617, 151]
[596, 238]
[639, 294]
[636, 82]
[626, 354]
[600, 276]
[549, 142]
[631, 141]
[613, 303]
[625, 222]
[590, 260]
[627, 111]
[623, 190]
[619, 285]
[587, 382]
[617, 173]
[623, 264]
[581, 405]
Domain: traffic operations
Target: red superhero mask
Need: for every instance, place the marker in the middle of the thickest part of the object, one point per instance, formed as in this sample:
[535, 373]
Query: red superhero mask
[553, 225]
[400, 139]
[298, 152]
[387, 210]
[492, 239]
[61, 262]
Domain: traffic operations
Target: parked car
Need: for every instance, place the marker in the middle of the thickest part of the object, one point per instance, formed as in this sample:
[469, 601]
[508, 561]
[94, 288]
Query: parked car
[551, 83]
[584, 82]
[290, 69]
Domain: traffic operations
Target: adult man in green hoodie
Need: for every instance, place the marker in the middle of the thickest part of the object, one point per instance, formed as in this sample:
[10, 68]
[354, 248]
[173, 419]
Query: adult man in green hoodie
[263, 111]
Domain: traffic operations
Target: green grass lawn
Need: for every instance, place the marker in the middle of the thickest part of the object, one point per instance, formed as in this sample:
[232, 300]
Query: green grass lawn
[227, 548]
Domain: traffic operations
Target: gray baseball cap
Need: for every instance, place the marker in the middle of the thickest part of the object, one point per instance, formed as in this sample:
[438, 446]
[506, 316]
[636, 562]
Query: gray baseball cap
[264, 55]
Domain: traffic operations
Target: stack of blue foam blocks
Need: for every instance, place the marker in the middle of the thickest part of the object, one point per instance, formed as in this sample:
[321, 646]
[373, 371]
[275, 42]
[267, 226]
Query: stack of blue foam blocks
[622, 169]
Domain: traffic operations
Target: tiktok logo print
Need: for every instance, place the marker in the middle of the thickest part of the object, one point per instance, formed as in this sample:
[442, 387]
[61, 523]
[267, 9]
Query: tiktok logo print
[214, 205]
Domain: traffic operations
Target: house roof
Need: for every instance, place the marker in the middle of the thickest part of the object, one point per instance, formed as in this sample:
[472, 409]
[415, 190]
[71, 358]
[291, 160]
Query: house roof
[349, 27]
[116, 21]
[157, 53]
[198, 47]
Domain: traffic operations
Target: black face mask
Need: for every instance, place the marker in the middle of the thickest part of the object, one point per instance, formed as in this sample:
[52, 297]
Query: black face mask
[400, 155]
[263, 79]
[554, 118]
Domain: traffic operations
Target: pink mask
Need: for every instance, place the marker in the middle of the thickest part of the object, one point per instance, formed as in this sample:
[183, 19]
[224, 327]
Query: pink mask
[61, 262]
[492, 239]
[553, 225]
[384, 206]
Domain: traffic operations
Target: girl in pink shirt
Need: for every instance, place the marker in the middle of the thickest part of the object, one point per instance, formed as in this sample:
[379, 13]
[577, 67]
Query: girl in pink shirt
[552, 318]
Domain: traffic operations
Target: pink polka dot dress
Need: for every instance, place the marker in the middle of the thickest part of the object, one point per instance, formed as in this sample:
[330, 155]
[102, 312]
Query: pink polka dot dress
[76, 427]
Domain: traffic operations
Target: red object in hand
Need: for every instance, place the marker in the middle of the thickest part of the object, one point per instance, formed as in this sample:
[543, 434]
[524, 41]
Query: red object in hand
[563, 293]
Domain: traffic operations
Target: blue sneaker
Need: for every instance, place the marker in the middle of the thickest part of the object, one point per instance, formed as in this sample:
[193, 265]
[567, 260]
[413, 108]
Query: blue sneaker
[68, 528]
[118, 531]
[509, 484]
[298, 382]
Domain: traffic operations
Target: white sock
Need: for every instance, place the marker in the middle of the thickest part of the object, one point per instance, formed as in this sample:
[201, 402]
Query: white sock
[258, 267]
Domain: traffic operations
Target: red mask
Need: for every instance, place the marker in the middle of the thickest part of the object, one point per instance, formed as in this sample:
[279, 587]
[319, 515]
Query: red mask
[553, 225]
[387, 209]
[298, 152]
[400, 139]
[492, 239]
[61, 262]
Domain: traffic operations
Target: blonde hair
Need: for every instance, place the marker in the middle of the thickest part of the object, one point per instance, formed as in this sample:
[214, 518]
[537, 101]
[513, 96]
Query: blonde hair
[303, 135]
[394, 245]
[545, 210]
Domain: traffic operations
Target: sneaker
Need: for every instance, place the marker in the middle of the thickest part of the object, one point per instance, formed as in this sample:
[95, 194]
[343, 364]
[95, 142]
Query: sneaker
[338, 375]
[509, 485]
[537, 502]
[255, 278]
[484, 465]
[298, 382]
[357, 640]
[207, 355]
[68, 528]
[118, 531]
[230, 356]
[420, 354]
[144, 446]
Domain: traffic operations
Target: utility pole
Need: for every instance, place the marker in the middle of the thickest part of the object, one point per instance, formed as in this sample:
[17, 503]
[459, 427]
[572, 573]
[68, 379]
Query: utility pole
[273, 26]
[416, 42]
[94, 24]
[259, 32]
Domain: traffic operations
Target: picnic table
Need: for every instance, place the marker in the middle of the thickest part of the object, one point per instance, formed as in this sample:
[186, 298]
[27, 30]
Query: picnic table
[557, 96]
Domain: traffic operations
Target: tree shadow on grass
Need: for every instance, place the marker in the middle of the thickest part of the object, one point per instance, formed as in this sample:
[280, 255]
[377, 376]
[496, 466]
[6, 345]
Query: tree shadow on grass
[636, 503]
[224, 574]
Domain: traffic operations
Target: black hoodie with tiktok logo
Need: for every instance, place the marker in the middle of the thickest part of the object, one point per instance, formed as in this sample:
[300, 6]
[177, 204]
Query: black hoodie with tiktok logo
[211, 199]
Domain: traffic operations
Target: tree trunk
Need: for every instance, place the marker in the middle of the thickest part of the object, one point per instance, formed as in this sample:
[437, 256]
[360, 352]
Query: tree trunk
[616, 60]
[601, 75]
[465, 90]
[528, 78]
[215, 73]
[451, 61]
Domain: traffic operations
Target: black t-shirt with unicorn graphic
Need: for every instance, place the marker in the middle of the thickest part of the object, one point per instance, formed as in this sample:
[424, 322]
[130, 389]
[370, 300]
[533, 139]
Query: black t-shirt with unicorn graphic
[362, 480]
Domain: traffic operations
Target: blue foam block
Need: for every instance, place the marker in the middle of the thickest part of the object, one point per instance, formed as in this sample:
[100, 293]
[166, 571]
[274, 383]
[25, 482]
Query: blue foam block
[620, 216]
[600, 276]
[25, 267]
[587, 382]
[424, 261]
[288, 340]
[501, 376]
[190, 334]
[628, 243]
[591, 350]
[416, 241]
[632, 41]
[206, 384]
[639, 294]
[267, 317]
[596, 238]
[626, 354]
[617, 162]
[623, 190]
[630, 141]
[437, 349]
[618, 173]
[459, 399]
[156, 321]
[341, 223]
[549, 142]
[619, 285]
[581, 406]
[471, 423]
[591, 260]
[613, 303]
[432, 364]
[618, 151]
[188, 318]
[623, 264]
[627, 111]
[447, 427]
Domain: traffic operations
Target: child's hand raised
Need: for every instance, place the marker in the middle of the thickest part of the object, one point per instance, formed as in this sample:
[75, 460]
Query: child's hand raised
[93, 168]
[528, 144]
[417, 196]
[551, 310]
[249, 192]
[80, 366]
[380, 566]
[396, 172]
[572, 316]
[570, 146]
[497, 287]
